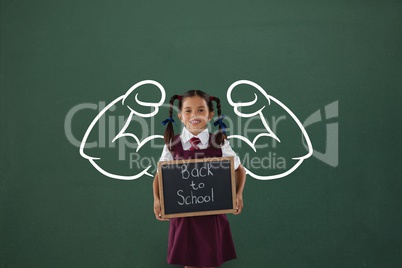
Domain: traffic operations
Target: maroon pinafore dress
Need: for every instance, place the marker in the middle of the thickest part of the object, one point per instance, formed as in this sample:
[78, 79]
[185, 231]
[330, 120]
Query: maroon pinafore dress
[201, 240]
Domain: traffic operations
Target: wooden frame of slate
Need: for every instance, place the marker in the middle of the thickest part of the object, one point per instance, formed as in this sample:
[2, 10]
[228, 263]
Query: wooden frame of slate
[197, 187]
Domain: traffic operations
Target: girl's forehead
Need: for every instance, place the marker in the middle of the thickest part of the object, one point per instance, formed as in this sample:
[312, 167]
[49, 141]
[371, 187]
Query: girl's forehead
[194, 101]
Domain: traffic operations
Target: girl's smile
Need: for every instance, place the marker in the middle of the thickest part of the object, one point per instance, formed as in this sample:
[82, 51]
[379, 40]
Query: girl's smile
[195, 121]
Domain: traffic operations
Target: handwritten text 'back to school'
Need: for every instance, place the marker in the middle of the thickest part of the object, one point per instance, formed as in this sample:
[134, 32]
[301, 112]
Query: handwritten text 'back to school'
[201, 172]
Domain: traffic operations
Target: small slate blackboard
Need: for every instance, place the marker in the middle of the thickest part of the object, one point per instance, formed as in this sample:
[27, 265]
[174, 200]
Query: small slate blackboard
[196, 187]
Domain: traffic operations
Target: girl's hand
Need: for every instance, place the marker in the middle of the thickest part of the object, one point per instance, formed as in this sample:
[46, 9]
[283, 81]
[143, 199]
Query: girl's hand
[240, 182]
[157, 210]
[239, 204]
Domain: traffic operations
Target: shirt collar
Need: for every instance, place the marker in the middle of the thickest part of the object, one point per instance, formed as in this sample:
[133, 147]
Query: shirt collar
[203, 135]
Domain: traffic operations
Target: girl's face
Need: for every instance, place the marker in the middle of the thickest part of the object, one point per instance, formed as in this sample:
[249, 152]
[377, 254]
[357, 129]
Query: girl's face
[195, 114]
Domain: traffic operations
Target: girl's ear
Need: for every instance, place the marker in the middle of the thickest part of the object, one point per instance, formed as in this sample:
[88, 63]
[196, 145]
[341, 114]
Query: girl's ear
[179, 116]
[211, 115]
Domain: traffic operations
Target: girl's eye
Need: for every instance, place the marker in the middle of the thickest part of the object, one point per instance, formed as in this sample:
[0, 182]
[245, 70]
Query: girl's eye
[201, 110]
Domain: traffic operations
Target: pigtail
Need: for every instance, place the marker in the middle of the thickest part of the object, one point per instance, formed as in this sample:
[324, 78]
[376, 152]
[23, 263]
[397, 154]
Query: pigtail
[169, 131]
[221, 135]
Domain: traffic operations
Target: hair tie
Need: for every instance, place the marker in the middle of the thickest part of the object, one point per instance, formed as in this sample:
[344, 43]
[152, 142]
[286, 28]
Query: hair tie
[179, 97]
[211, 98]
[220, 122]
[170, 119]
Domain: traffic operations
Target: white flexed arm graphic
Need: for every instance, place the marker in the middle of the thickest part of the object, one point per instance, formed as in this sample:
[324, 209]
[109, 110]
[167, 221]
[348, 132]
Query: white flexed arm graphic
[122, 132]
[269, 132]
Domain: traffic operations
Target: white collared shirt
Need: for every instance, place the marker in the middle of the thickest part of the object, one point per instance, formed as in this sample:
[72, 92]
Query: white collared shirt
[204, 138]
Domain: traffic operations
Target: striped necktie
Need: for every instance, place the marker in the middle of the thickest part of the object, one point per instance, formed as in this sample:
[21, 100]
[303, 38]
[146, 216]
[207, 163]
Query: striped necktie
[194, 141]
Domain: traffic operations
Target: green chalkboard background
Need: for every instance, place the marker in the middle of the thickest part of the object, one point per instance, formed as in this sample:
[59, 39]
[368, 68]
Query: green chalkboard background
[342, 209]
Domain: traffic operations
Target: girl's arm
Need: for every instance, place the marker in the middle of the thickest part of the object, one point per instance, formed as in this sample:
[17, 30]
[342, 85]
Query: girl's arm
[240, 173]
[166, 156]
[157, 203]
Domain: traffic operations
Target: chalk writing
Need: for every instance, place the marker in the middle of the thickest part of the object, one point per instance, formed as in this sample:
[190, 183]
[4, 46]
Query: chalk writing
[196, 172]
[193, 199]
[203, 171]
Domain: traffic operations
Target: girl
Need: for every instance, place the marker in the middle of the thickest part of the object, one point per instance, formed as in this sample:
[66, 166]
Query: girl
[202, 241]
